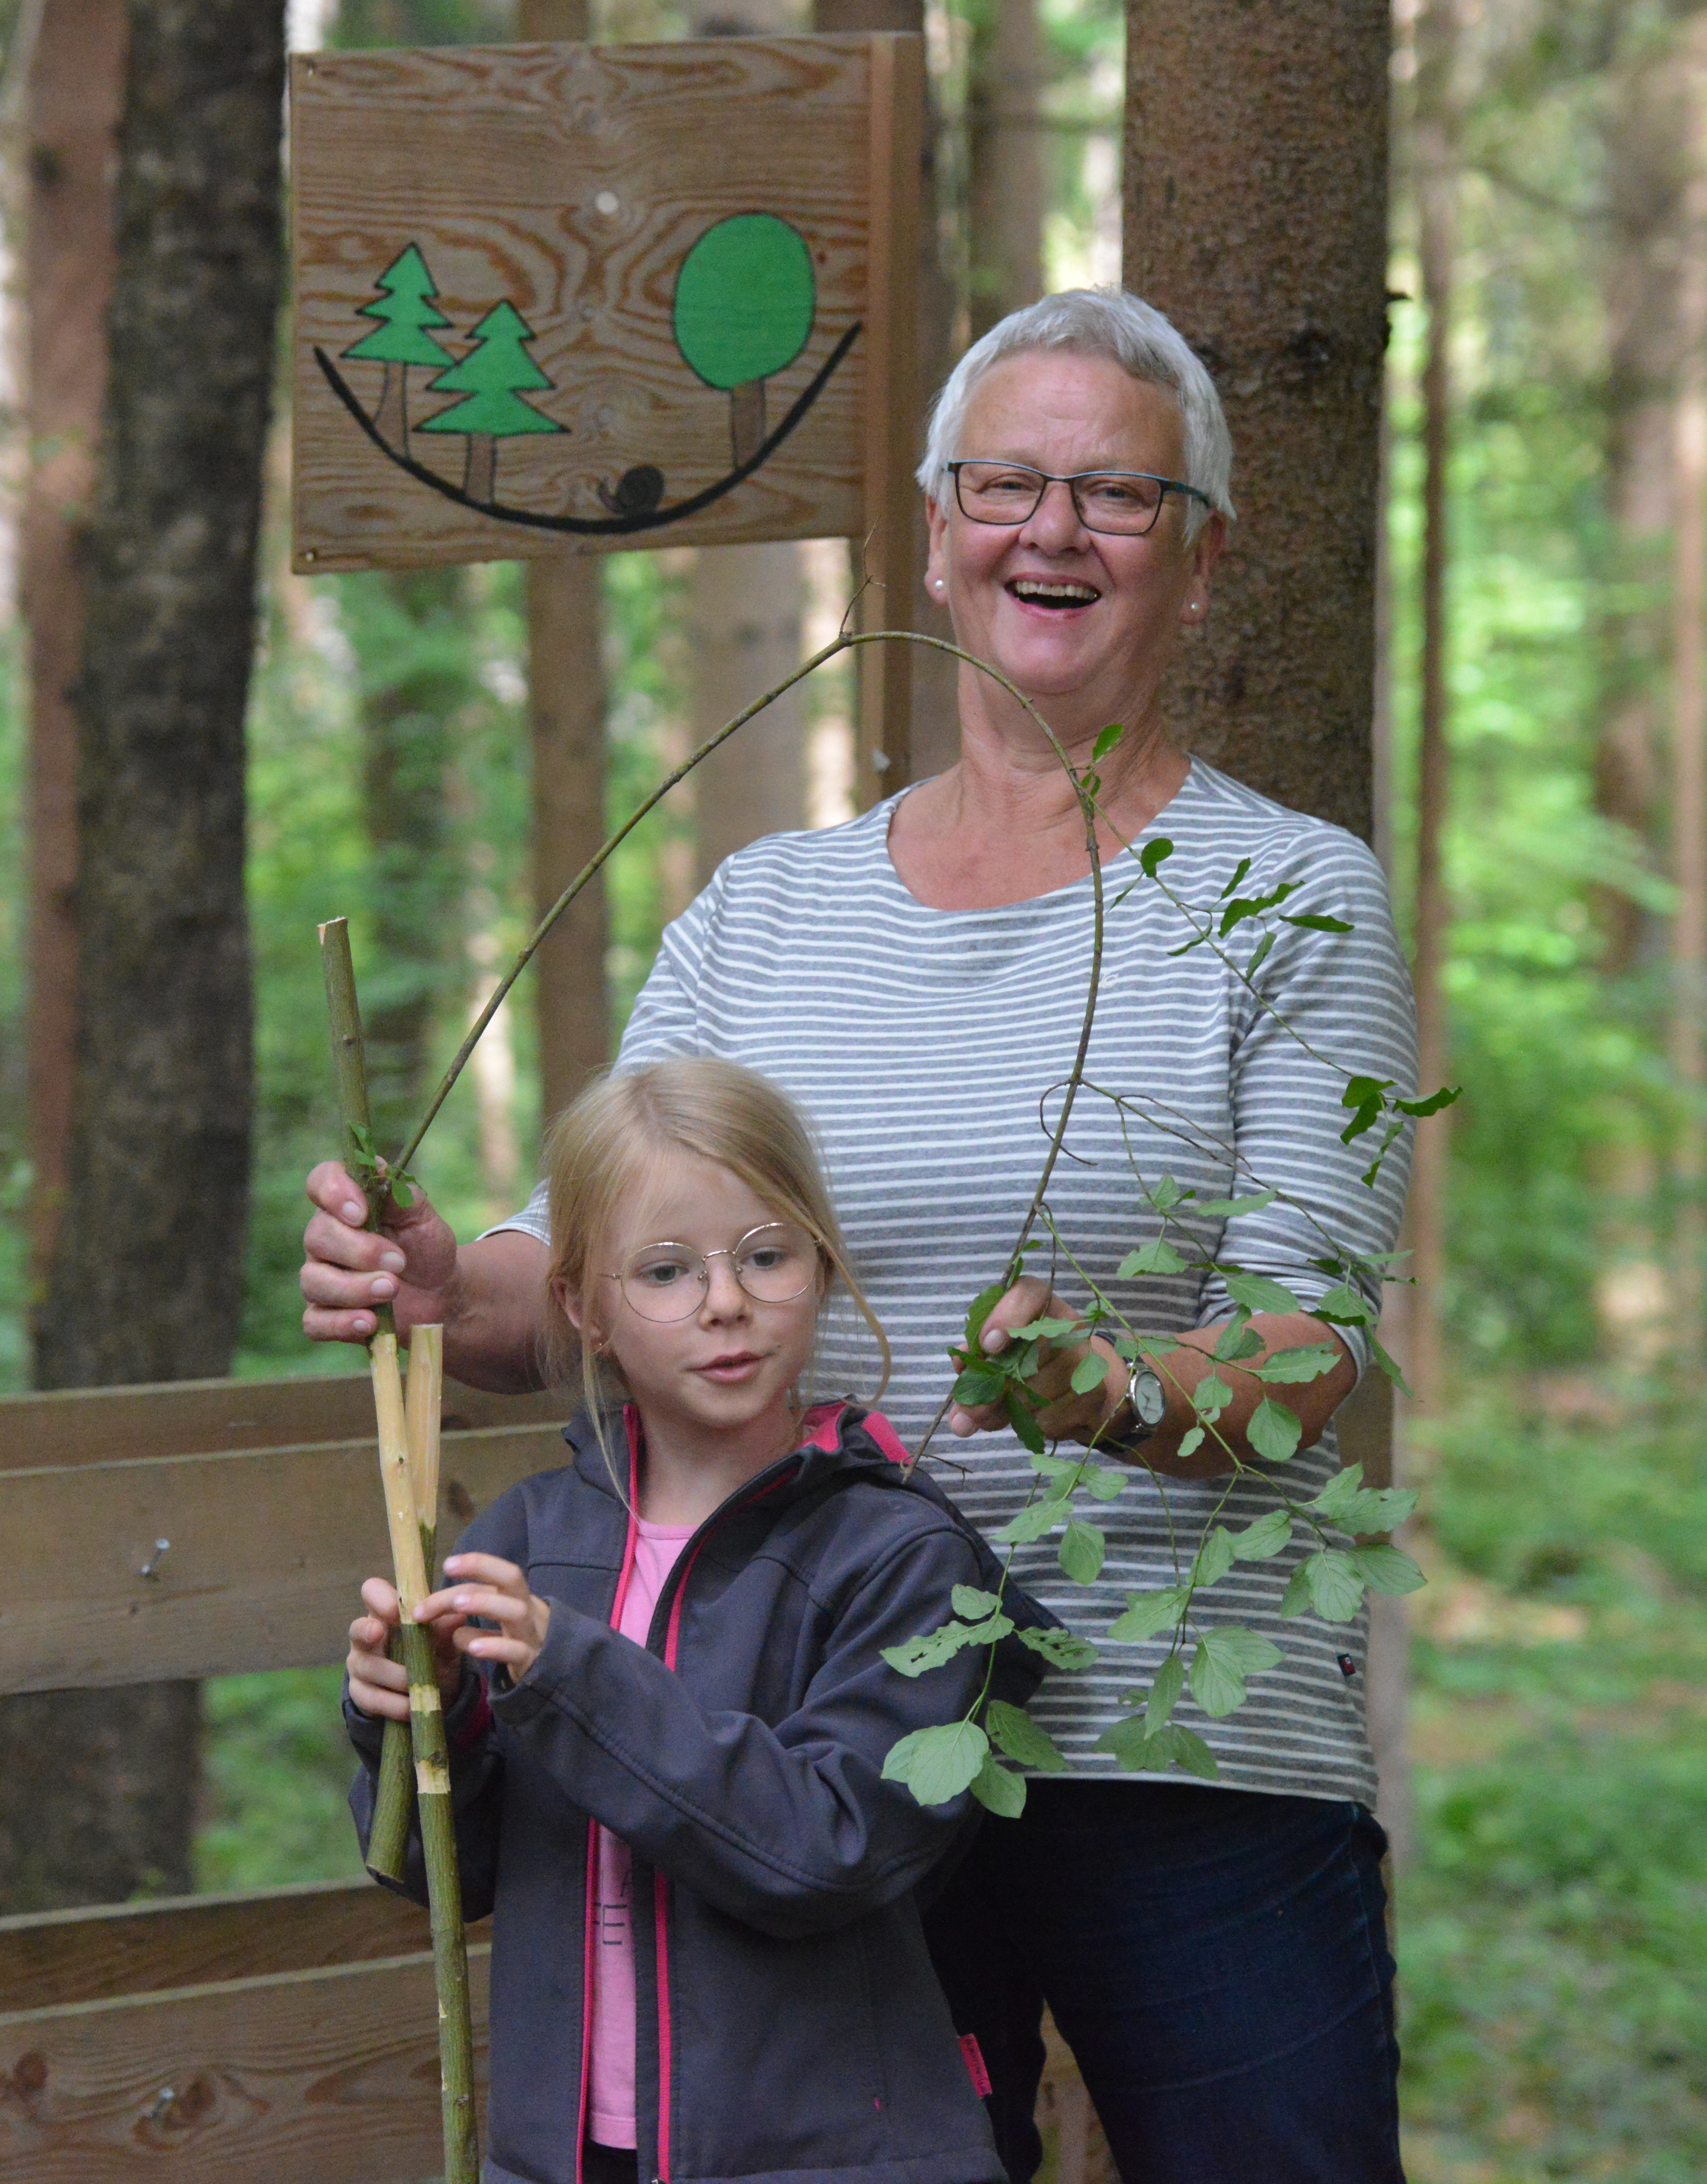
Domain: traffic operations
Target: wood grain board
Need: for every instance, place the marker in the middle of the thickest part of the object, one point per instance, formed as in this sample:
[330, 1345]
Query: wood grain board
[298, 2077]
[195, 1418]
[49, 1958]
[571, 181]
[268, 1550]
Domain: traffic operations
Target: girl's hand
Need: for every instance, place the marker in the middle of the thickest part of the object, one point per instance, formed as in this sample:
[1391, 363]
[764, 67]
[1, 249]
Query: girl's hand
[1065, 1416]
[377, 1684]
[486, 1585]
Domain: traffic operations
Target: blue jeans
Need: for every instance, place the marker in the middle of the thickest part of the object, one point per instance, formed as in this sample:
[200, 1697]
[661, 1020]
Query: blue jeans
[1216, 1960]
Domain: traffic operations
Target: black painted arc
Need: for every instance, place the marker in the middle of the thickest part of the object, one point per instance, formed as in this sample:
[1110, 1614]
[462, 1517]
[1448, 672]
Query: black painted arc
[598, 527]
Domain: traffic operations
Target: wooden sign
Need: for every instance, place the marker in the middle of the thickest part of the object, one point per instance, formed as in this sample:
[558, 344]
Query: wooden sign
[579, 297]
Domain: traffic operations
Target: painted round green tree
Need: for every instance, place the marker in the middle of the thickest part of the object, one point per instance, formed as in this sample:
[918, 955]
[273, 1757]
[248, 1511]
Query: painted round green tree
[491, 379]
[406, 308]
[744, 301]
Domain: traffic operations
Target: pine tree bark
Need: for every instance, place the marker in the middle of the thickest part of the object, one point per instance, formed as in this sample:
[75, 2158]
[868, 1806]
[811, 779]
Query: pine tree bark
[75, 89]
[96, 1789]
[1256, 218]
[1005, 192]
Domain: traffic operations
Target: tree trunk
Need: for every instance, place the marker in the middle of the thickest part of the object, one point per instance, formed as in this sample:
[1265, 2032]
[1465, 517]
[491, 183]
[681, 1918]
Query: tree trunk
[1435, 144]
[1646, 156]
[747, 604]
[1005, 194]
[96, 1789]
[1688, 727]
[413, 655]
[935, 708]
[75, 89]
[1256, 218]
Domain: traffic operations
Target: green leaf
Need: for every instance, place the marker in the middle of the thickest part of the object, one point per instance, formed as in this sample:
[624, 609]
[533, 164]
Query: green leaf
[1215, 1557]
[1210, 1397]
[1032, 1522]
[1265, 1538]
[1192, 1441]
[1082, 1549]
[1166, 1686]
[1089, 1373]
[1147, 1613]
[1048, 1330]
[1310, 1360]
[1259, 1293]
[1157, 1257]
[401, 1195]
[1314, 922]
[1190, 1752]
[1024, 1420]
[1343, 1306]
[1296, 1599]
[1274, 1431]
[1238, 1343]
[1154, 854]
[1390, 1366]
[973, 1604]
[1224, 1658]
[1239, 872]
[999, 1790]
[1167, 1194]
[1259, 955]
[1226, 1209]
[1104, 1483]
[1105, 742]
[979, 1310]
[937, 1763]
[1019, 1735]
[978, 1387]
[1388, 1568]
[364, 1140]
[914, 1656]
[1334, 1584]
[1134, 1747]
[1062, 1649]
[1433, 1104]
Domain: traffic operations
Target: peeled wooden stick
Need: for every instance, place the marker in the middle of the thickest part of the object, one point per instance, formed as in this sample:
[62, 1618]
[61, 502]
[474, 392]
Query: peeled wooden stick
[426, 1731]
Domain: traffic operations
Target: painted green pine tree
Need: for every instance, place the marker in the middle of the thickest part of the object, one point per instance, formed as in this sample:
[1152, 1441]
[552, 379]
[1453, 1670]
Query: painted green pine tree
[405, 308]
[490, 379]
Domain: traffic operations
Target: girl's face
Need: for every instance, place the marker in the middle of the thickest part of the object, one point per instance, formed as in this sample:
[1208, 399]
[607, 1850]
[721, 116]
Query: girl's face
[725, 1366]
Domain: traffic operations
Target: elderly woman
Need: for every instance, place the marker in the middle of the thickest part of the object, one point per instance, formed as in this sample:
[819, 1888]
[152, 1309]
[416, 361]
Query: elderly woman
[1213, 1955]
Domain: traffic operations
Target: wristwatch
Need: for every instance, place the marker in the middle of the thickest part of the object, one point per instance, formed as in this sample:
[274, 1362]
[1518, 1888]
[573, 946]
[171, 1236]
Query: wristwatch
[1140, 1414]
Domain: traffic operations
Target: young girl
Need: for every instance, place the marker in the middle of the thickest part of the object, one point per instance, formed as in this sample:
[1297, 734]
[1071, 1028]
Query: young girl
[667, 1767]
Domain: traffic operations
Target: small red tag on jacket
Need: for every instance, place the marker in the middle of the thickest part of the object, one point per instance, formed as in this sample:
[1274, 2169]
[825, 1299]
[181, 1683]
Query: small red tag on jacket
[973, 2056]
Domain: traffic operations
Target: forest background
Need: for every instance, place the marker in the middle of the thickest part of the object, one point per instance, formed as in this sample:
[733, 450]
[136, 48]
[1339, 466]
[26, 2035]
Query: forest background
[1553, 1905]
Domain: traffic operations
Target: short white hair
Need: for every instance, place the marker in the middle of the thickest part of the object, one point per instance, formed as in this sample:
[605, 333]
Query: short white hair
[1096, 322]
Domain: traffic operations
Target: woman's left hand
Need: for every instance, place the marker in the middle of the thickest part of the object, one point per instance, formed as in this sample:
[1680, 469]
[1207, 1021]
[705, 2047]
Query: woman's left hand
[1065, 1416]
[488, 1586]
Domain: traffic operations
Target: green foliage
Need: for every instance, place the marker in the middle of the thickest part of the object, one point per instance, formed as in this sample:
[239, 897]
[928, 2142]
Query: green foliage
[279, 1768]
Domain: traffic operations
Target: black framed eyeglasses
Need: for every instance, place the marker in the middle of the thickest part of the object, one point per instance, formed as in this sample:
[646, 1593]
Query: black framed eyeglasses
[1125, 504]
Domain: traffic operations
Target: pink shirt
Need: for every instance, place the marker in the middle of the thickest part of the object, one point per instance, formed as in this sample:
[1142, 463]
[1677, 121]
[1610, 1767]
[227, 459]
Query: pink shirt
[611, 2079]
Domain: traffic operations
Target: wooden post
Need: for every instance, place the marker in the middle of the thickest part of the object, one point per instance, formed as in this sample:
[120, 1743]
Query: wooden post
[566, 711]
[890, 544]
[75, 87]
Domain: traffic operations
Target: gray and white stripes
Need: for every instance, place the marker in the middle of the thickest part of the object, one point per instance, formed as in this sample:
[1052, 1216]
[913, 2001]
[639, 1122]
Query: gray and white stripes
[928, 1045]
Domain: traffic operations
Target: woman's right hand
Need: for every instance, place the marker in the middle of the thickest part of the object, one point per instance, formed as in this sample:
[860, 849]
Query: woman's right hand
[380, 1686]
[409, 1263]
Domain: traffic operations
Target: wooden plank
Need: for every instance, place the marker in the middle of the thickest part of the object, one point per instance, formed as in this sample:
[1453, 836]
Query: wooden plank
[49, 1959]
[888, 549]
[306, 2077]
[570, 181]
[268, 1550]
[193, 1418]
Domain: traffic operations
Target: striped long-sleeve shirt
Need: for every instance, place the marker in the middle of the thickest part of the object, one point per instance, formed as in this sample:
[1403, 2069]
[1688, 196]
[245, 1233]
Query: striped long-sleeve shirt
[928, 1047]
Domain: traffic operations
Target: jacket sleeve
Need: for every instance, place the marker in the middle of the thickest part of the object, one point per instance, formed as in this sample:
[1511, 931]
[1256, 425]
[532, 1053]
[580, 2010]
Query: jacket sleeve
[789, 1828]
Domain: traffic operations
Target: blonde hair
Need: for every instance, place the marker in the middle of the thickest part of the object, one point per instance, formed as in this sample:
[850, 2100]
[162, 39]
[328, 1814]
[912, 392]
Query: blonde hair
[606, 1145]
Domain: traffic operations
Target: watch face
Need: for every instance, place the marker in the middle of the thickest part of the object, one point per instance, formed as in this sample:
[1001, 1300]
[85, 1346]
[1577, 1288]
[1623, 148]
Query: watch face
[1148, 1397]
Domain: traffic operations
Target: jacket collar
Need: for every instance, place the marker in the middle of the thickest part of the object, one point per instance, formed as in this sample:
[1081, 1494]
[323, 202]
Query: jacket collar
[837, 1439]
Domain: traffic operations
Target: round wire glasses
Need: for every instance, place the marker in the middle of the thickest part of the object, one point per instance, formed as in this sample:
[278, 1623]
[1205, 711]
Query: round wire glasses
[665, 1282]
[1126, 504]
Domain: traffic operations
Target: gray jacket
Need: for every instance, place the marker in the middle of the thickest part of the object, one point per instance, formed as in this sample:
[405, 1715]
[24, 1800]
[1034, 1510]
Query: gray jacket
[788, 2024]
